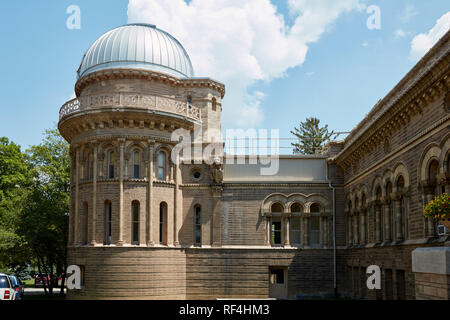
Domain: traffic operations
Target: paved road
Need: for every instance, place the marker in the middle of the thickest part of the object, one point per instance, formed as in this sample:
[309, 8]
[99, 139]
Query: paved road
[37, 291]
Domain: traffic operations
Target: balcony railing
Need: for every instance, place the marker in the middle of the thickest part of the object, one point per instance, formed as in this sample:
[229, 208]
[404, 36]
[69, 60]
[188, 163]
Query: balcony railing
[123, 100]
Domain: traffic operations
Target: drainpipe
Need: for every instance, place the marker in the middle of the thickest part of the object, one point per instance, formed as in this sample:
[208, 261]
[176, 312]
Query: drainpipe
[334, 236]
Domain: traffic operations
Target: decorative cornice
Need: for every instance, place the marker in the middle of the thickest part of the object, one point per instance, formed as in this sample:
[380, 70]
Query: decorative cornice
[428, 79]
[147, 75]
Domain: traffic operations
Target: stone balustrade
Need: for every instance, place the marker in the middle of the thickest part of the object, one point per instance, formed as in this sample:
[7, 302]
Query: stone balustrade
[130, 100]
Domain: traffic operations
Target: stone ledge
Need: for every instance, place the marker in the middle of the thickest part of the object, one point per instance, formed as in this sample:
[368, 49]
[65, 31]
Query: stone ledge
[435, 260]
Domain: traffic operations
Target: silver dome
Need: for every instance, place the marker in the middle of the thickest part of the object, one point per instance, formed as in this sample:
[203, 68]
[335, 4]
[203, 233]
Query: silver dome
[137, 46]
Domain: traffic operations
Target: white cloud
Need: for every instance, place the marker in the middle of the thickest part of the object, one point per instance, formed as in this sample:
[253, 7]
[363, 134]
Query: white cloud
[240, 42]
[409, 12]
[399, 33]
[425, 41]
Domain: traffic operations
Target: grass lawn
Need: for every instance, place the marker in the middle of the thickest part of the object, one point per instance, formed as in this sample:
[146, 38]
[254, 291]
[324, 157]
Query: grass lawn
[29, 283]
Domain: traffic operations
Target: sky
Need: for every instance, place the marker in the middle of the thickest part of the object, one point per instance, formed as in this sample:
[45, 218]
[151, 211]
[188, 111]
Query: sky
[281, 60]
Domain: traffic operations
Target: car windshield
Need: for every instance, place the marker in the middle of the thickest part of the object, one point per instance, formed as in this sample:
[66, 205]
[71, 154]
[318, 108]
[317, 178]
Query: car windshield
[4, 283]
[13, 280]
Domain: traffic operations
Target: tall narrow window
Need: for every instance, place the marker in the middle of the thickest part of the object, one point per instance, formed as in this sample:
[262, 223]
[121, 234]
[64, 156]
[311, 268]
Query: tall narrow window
[108, 222]
[163, 223]
[295, 224]
[276, 230]
[111, 165]
[135, 222]
[161, 165]
[214, 104]
[295, 230]
[315, 230]
[198, 226]
[136, 165]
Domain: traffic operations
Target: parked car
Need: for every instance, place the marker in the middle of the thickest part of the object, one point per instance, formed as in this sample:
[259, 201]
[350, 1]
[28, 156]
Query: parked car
[6, 289]
[40, 279]
[18, 287]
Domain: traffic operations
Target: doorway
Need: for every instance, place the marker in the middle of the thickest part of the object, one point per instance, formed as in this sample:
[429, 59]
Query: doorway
[278, 282]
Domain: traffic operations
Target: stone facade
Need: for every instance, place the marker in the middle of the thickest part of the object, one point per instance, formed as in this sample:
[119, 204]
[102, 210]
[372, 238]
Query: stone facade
[143, 226]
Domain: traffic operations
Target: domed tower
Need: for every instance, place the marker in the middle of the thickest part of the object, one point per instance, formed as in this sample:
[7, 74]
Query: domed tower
[130, 216]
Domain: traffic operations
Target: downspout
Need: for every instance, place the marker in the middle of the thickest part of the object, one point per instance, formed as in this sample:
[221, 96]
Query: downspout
[334, 236]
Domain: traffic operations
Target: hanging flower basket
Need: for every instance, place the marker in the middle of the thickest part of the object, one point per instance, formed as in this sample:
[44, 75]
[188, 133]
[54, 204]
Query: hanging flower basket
[438, 209]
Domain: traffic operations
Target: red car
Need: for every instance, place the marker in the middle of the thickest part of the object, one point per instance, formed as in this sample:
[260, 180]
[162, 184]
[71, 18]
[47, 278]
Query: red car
[40, 279]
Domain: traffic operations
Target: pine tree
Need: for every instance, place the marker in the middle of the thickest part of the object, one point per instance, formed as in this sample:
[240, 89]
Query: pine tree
[311, 137]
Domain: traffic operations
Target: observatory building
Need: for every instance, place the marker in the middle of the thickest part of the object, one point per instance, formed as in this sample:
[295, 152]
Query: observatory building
[144, 225]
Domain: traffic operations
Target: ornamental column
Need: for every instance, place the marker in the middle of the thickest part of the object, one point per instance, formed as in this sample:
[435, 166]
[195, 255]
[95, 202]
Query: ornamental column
[398, 219]
[387, 221]
[355, 228]
[378, 222]
[94, 195]
[287, 241]
[325, 231]
[121, 172]
[71, 209]
[305, 230]
[362, 236]
[149, 234]
[430, 231]
[177, 199]
[349, 228]
[77, 194]
[267, 230]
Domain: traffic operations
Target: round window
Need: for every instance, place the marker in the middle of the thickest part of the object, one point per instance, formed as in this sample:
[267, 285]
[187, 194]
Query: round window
[196, 173]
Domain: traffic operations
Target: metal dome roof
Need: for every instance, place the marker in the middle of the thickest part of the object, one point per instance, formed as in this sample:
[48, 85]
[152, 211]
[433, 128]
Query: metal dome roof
[137, 46]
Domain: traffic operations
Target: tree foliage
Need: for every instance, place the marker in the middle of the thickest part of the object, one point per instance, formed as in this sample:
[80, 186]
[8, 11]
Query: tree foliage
[34, 205]
[311, 137]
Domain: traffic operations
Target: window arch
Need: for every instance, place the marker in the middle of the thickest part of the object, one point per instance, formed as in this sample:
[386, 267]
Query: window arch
[163, 223]
[315, 207]
[276, 223]
[111, 160]
[108, 223]
[161, 167]
[136, 164]
[296, 207]
[276, 208]
[197, 225]
[135, 208]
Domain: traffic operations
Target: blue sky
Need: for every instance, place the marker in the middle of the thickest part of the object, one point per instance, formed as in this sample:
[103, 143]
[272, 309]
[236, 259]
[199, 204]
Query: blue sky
[344, 73]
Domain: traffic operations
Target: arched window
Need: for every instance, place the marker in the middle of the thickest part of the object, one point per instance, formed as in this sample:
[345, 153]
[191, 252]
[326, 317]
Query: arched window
[163, 223]
[84, 224]
[314, 224]
[402, 212]
[111, 160]
[197, 225]
[214, 104]
[136, 165]
[433, 171]
[135, 222]
[295, 223]
[161, 166]
[108, 222]
[276, 230]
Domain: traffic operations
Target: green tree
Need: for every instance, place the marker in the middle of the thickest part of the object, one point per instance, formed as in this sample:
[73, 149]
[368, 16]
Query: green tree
[44, 218]
[311, 137]
[14, 183]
